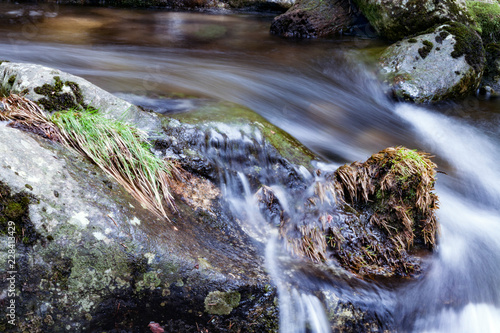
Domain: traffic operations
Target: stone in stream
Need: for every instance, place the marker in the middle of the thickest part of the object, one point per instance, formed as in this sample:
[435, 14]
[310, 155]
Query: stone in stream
[371, 217]
[446, 62]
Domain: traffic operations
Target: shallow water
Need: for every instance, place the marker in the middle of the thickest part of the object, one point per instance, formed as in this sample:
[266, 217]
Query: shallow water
[324, 94]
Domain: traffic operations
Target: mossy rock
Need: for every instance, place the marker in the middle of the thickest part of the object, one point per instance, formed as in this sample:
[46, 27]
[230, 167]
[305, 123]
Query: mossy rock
[445, 62]
[238, 116]
[486, 17]
[395, 20]
[369, 216]
[491, 79]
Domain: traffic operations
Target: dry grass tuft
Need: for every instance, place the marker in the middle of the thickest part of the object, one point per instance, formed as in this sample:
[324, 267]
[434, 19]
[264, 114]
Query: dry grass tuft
[28, 116]
[395, 187]
[117, 148]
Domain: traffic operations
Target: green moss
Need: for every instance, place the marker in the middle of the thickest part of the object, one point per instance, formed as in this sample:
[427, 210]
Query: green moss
[468, 43]
[412, 40]
[426, 49]
[58, 100]
[229, 113]
[222, 303]
[487, 19]
[395, 21]
[14, 208]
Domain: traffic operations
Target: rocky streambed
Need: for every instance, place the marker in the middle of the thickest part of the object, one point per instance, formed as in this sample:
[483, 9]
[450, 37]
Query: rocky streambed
[90, 257]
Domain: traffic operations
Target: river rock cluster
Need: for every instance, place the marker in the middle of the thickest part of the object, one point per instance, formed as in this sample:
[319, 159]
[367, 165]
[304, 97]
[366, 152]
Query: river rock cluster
[442, 49]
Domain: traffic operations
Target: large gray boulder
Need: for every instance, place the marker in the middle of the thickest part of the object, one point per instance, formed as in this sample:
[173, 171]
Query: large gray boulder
[445, 63]
[395, 19]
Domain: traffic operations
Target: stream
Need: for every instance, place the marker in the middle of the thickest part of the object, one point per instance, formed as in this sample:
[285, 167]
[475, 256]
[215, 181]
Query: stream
[323, 93]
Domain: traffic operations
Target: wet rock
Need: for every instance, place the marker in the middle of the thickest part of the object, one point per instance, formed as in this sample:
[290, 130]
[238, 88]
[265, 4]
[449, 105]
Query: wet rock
[92, 259]
[369, 217]
[220, 139]
[314, 18]
[395, 20]
[490, 85]
[447, 62]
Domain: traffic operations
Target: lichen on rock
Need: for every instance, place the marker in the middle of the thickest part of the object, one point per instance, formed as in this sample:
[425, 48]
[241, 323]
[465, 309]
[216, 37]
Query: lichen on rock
[222, 303]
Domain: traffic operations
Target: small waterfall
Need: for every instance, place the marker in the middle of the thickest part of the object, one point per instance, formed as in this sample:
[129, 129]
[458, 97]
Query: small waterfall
[298, 310]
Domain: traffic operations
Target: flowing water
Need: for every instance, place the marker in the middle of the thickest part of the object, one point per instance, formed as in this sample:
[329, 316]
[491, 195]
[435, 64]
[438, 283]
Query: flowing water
[322, 93]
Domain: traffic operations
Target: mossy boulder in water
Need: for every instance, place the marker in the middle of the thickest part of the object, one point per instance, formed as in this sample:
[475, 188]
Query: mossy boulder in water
[400, 18]
[370, 217]
[390, 195]
[447, 62]
[314, 18]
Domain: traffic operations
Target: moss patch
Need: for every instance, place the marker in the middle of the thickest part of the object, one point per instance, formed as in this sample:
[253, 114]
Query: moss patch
[487, 20]
[468, 43]
[15, 208]
[57, 99]
[426, 49]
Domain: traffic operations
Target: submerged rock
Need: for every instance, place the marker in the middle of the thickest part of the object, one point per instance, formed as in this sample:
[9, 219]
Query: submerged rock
[397, 19]
[222, 138]
[313, 18]
[445, 63]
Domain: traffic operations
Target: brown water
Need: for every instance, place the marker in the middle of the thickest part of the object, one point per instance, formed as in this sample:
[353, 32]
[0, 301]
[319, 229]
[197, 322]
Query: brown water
[324, 94]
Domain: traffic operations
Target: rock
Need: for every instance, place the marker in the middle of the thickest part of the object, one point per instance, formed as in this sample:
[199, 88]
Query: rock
[314, 18]
[55, 90]
[447, 62]
[397, 19]
[369, 216]
[223, 137]
[90, 258]
[486, 16]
